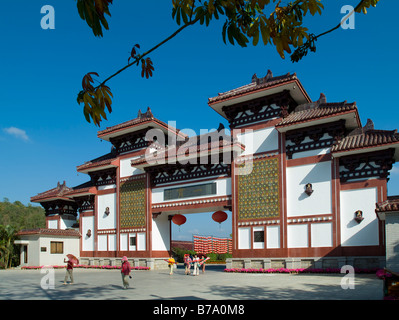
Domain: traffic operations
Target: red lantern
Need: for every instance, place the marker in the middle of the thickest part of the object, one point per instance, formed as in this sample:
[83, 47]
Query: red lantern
[219, 216]
[179, 219]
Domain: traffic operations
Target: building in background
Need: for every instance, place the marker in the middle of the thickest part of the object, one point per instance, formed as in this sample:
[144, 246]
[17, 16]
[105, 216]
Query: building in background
[300, 179]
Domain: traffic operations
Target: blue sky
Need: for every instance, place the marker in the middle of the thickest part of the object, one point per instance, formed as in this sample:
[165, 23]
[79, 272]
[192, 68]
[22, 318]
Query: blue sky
[44, 136]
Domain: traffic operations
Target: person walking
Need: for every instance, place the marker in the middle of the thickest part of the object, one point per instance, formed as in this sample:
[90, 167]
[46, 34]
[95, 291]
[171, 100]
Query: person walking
[125, 272]
[171, 264]
[203, 258]
[69, 271]
[187, 264]
[196, 262]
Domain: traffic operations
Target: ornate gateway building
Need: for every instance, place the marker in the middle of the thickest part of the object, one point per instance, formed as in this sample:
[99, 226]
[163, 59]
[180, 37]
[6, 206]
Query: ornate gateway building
[300, 179]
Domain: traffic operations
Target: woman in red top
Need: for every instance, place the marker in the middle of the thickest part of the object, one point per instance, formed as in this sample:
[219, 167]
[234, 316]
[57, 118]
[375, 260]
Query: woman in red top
[125, 272]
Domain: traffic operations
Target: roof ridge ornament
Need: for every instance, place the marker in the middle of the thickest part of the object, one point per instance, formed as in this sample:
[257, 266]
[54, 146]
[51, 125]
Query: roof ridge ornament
[312, 105]
[268, 76]
[254, 78]
[358, 131]
[146, 115]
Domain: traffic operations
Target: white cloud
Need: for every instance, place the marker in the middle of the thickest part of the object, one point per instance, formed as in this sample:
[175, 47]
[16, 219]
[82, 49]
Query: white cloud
[18, 133]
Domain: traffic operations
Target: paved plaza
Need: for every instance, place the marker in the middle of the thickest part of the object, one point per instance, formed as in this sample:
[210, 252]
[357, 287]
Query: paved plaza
[214, 284]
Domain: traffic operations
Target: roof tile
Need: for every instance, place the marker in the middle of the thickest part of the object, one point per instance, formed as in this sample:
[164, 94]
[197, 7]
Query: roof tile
[366, 137]
[389, 205]
[51, 232]
[316, 110]
[256, 84]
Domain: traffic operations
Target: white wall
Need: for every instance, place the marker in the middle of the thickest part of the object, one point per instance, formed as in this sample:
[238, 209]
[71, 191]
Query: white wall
[298, 202]
[259, 141]
[102, 242]
[87, 242]
[297, 236]
[112, 242]
[366, 232]
[160, 233]
[33, 250]
[71, 245]
[53, 224]
[244, 238]
[126, 170]
[223, 187]
[141, 243]
[321, 235]
[124, 241]
[104, 221]
[106, 242]
[273, 237]
[67, 222]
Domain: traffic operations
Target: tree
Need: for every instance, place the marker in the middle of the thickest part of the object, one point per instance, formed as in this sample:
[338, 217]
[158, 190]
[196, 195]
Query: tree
[21, 216]
[7, 237]
[278, 24]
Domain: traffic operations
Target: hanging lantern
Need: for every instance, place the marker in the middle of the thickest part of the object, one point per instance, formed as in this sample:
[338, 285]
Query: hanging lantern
[179, 219]
[219, 216]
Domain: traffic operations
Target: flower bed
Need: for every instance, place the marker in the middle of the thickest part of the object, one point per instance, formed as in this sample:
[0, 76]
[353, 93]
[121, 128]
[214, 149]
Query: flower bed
[84, 266]
[296, 271]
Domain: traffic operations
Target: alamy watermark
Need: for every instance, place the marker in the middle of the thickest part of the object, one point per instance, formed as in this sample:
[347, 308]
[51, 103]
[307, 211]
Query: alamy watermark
[348, 281]
[48, 280]
[210, 147]
[48, 20]
[348, 21]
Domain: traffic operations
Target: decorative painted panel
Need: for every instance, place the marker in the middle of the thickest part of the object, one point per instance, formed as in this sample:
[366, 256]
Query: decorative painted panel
[258, 192]
[133, 203]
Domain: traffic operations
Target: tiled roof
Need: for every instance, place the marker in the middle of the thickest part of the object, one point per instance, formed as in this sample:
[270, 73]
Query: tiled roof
[256, 84]
[366, 137]
[83, 188]
[98, 162]
[50, 232]
[141, 118]
[201, 142]
[389, 205]
[59, 192]
[62, 192]
[317, 110]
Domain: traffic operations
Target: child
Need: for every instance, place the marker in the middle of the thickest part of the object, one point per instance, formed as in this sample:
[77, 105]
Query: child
[187, 263]
[171, 264]
[125, 272]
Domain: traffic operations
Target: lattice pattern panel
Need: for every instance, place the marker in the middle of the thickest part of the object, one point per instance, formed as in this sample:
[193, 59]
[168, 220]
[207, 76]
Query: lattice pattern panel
[259, 191]
[133, 203]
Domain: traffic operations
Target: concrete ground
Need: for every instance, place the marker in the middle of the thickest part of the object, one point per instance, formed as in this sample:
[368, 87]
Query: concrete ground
[214, 284]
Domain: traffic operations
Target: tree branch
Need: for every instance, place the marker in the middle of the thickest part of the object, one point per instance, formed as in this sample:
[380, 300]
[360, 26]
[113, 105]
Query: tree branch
[337, 26]
[190, 23]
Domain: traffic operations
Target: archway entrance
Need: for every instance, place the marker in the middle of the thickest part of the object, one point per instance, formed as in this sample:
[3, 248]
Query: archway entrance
[198, 222]
[201, 234]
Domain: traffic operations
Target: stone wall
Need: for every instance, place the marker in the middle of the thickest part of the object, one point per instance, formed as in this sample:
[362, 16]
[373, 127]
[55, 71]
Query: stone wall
[153, 264]
[392, 241]
[305, 262]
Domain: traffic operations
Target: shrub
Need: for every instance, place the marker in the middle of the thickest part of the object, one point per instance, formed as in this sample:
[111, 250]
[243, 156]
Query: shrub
[178, 253]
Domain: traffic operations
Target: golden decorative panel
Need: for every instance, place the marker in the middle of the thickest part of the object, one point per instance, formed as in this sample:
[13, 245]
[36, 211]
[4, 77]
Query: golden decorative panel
[133, 203]
[259, 191]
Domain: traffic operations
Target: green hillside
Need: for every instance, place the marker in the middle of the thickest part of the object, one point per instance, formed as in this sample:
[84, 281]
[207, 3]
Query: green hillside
[20, 216]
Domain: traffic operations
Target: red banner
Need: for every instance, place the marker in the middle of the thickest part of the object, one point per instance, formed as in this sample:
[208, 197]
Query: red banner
[208, 244]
